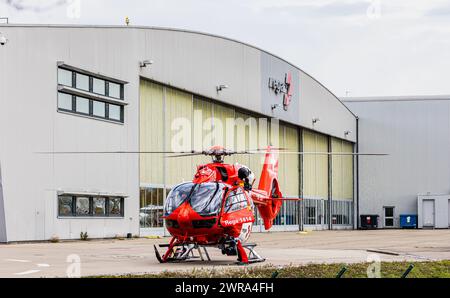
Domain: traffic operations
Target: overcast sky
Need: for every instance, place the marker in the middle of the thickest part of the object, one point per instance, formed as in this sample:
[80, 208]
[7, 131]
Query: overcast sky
[355, 47]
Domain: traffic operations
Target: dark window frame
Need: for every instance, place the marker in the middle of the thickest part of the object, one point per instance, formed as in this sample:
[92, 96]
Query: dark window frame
[91, 101]
[91, 207]
[91, 109]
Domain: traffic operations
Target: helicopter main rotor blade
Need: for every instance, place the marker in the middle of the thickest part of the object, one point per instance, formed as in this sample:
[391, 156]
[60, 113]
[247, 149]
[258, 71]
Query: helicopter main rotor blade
[194, 153]
[185, 155]
[119, 152]
[333, 153]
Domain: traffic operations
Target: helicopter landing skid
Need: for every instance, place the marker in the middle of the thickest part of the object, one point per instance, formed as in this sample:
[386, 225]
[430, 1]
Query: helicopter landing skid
[253, 256]
[183, 252]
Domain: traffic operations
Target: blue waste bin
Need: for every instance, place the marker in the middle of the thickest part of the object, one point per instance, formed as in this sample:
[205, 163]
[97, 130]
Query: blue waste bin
[408, 221]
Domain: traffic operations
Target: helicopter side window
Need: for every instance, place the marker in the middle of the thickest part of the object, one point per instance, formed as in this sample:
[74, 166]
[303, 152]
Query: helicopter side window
[236, 201]
[206, 198]
[177, 196]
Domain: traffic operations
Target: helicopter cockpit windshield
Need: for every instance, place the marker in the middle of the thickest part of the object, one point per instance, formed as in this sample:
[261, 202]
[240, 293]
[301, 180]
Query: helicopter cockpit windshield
[204, 198]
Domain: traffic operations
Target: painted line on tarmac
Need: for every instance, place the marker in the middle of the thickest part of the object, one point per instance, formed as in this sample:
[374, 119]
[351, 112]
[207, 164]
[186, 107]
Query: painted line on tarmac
[27, 272]
[17, 260]
[43, 265]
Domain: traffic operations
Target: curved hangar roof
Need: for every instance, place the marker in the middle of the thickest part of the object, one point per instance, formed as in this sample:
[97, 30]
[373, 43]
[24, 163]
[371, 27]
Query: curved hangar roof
[198, 63]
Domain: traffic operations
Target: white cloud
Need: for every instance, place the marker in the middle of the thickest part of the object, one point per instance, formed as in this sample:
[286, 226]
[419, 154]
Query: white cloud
[404, 51]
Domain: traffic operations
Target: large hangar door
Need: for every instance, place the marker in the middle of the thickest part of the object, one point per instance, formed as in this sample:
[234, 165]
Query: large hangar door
[289, 179]
[151, 166]
[178, 137]
[341, 184]
[165, 124]
[315, 180]
[151, 129]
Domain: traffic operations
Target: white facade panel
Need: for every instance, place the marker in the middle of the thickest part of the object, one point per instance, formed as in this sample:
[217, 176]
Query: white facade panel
[29, 124]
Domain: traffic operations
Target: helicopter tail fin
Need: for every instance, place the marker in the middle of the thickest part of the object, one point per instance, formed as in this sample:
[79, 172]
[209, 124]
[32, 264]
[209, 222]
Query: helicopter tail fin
[269, 190]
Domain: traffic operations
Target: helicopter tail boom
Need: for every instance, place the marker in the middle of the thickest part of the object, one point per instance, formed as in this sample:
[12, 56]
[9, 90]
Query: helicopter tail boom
[268, 193]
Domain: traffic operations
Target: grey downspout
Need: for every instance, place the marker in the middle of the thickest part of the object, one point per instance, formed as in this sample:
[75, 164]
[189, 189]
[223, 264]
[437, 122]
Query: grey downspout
[357, 173]
[330, 185]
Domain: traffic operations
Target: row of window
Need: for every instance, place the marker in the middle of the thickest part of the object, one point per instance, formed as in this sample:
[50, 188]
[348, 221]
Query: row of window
[89, 83]
[89, 107]
[90, 206]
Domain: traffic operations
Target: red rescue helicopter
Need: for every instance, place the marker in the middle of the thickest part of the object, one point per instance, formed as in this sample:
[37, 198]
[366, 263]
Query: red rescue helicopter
[217, 208]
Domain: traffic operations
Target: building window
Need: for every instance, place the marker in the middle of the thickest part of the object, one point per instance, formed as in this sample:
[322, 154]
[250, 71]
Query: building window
[82, 82]
[65, 206]
[64, 101]
[86, 206]
[115, 207]
[99, 206]
[114, 112]
[98, 102]
[114, 90]
[82, 105]
[99, 109]
[65, 77]
[99, 86]
[82, 205]
[151, 207]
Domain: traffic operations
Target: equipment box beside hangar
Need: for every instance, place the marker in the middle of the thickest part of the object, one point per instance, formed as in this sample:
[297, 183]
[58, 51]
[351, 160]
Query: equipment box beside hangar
[408, 221]
[369, 221]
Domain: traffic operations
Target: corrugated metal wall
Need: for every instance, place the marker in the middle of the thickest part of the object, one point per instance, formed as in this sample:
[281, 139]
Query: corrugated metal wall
[342, 170]
[178, 124]
[289, 164]
[162, 109]
[315, 166]
[151, 129]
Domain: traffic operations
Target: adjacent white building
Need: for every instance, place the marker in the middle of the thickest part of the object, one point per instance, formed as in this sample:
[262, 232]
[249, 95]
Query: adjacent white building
[415, 177]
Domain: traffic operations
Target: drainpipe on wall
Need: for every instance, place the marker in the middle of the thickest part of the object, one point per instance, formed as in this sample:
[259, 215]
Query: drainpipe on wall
[357, 173]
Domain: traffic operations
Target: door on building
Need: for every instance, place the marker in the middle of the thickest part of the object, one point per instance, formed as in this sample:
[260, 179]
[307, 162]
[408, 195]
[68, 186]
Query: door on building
[388, 217]
[428, 213]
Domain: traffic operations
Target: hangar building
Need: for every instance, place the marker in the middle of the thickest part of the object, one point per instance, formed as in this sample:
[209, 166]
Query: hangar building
[106, 89]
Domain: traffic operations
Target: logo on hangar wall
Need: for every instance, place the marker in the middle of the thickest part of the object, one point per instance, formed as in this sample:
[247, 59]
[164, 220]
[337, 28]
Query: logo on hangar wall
[284, 88]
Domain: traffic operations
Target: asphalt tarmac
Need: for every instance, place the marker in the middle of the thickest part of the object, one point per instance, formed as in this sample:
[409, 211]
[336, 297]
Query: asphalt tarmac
[116, 257]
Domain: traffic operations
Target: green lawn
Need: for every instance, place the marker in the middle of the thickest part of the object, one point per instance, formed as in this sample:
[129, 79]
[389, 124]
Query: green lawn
[440, 269]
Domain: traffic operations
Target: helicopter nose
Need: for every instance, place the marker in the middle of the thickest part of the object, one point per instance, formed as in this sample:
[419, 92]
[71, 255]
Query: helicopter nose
[184, 215]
